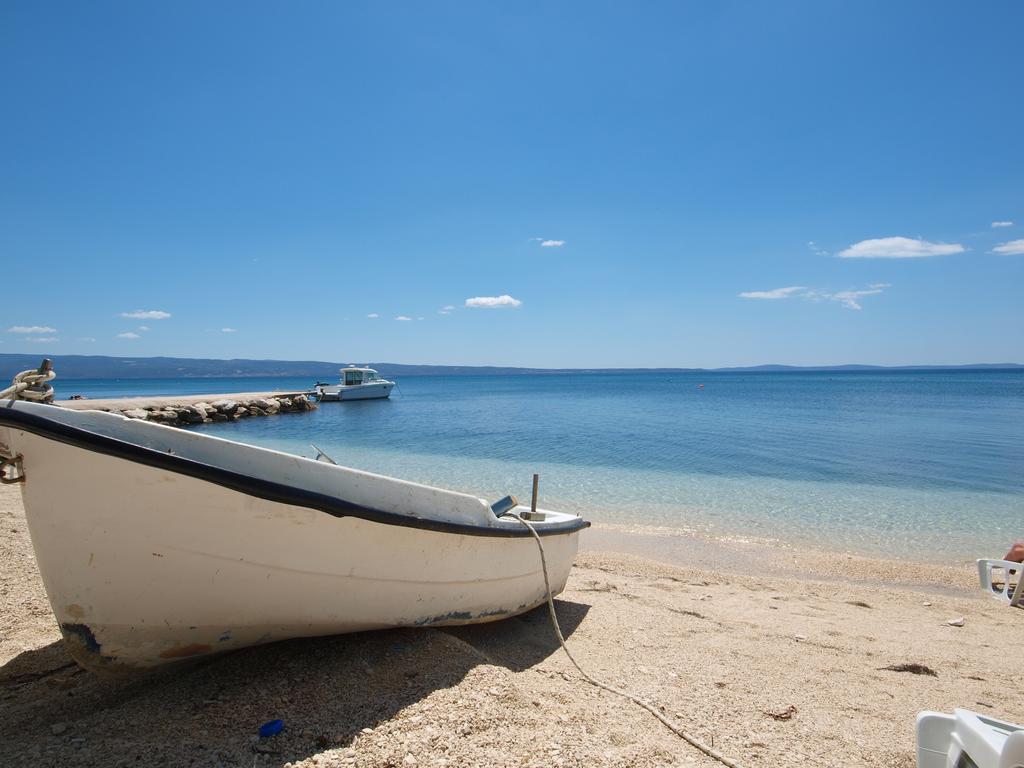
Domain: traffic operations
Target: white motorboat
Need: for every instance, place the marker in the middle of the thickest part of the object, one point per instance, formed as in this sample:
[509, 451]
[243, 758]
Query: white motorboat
[157, 544]
[356, 384]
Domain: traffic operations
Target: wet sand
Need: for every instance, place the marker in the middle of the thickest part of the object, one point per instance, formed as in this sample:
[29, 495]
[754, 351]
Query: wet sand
[725, 635]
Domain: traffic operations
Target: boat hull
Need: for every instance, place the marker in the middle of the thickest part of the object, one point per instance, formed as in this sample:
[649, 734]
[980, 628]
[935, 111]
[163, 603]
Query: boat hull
[144, 566]
[376, 391]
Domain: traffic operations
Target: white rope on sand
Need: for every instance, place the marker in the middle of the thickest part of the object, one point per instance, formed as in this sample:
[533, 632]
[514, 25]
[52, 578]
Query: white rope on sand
[676, 729]
[31, 385]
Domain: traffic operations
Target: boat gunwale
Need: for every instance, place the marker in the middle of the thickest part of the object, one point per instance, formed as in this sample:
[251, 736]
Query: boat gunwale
[249, 485]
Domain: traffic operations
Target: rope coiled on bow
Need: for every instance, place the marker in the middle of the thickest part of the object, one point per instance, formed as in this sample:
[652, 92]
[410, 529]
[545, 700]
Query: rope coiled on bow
[32, 385]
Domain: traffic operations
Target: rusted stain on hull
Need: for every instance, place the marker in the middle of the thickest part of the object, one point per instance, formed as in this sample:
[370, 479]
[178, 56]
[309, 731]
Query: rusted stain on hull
[185, 651]
[83, 647]
[463, 617]
[450, 616]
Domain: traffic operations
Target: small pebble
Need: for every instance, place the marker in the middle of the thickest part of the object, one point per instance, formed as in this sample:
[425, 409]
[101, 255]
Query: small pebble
[926, 604]
[367, 730]
[409, 759]
[58, 728]
[799, 638]
[958, 622]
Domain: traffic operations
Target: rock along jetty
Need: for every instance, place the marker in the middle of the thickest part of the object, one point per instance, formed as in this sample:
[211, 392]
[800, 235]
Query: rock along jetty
[182, 411]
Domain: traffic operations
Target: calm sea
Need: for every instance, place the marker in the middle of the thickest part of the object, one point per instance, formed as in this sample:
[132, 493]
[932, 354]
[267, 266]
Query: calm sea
[915, 464]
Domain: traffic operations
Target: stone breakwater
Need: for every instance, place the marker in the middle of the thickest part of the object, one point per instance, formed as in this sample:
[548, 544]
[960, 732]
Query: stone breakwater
[221, 410]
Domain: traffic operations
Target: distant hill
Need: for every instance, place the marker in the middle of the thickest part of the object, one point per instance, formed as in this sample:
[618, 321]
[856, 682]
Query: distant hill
[102, 367]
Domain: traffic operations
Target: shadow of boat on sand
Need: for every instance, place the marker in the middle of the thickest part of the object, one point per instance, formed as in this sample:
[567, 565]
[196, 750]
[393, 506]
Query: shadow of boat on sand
[326, 690]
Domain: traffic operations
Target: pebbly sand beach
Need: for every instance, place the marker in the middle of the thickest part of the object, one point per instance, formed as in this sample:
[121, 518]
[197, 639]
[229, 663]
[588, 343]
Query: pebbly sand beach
[778, 657]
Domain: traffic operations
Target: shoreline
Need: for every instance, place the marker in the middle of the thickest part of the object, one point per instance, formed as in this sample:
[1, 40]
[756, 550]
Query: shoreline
[721, 646]
[685, 548]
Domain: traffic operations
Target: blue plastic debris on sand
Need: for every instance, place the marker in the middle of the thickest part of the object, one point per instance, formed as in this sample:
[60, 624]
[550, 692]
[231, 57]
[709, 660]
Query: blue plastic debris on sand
[272, 728]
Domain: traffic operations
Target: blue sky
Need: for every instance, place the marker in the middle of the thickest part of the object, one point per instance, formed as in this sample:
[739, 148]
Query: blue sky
[284, 181]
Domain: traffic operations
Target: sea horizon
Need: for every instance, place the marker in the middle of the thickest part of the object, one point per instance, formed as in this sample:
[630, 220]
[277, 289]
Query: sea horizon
[88, 367]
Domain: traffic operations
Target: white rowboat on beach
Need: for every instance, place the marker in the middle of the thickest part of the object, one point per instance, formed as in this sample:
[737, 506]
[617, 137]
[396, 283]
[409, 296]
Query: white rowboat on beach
[157, 544]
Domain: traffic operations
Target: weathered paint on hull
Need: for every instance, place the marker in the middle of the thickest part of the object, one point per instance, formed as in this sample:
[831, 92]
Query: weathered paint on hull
[144, 566]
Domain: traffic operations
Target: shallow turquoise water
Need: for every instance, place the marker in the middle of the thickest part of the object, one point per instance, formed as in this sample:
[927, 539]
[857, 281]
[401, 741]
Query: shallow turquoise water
[919, 464]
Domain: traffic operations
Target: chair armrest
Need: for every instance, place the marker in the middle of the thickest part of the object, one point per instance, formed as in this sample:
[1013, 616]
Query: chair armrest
[1008, 593]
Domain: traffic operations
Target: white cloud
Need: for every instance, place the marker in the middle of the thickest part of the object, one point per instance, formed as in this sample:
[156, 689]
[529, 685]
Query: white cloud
[31, 329]
[128, 335]
[898, 248]
[446, 310]
[997, 224]
[493, 302]
[552, 243]
[373, 315]
[147, 314]
[403, 318]
[1012, 248]
[849, 299]
[228, 330]
[42, 339]
[777, 293]
[143, 327]
[86, 338]
[815, 249]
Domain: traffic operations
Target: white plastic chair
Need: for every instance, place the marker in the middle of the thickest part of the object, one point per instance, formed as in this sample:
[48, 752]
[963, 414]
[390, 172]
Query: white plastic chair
[993, 573]
[966, 738]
